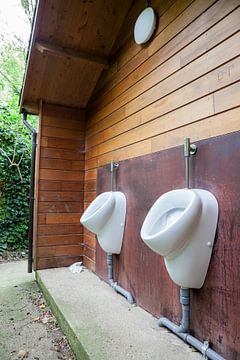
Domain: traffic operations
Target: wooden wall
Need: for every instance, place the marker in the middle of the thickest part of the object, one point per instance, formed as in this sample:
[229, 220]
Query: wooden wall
[58, 235]
[184, 83]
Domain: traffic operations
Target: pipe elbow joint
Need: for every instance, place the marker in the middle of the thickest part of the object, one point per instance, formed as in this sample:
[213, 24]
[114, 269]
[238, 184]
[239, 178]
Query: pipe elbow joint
[183, 329]
[130, 299]
[162, 322]
[113, 284]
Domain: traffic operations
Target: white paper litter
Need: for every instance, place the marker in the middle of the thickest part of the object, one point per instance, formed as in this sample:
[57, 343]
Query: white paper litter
[76, 267]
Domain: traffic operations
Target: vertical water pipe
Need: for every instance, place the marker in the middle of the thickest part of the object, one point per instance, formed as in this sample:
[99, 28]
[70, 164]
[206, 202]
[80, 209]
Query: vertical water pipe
[31, 191]
[113, 166]
[182, 330]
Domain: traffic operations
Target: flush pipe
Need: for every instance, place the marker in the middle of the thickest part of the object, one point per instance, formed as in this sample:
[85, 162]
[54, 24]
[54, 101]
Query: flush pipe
[113, 166]
[189, 149]
[182, 330]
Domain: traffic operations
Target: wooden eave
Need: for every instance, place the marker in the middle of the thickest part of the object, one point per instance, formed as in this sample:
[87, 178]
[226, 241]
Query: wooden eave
[70, 46]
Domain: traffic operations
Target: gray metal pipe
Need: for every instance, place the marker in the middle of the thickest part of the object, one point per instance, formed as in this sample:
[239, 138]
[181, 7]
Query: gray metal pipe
[182, 330]
[201, 347]
[32, 190]
[114, 284]
[186, 156]
[113, 166]
[185, 301]
[189, 149]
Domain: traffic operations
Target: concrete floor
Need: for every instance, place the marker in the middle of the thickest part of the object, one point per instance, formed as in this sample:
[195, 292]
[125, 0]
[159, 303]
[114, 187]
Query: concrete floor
[102, 325]
[13, 274]
[22, 335]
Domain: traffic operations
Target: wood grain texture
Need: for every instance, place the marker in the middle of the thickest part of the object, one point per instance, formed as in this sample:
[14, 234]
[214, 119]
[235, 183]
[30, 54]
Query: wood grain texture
[90, 240]
[89, 263]
[58, 261]
[62, 154]
[184, 83]
[131, 56]
[173, 65]
[62, 196]
[191, 41]
[45, 47]
[60, 229]
[75, 27]
[62, 218]
[89, 252]
[53, 240]
[216, 168]
[187, 79]
[36, 189]
[60, 250]
[61, 185]
[60, 207]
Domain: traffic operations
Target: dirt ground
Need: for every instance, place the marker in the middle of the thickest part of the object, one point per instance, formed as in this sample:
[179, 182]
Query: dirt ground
[28, 329]
[10, 256]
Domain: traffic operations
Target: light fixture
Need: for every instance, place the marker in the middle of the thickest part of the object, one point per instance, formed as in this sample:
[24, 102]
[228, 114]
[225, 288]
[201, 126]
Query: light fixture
[145, 26]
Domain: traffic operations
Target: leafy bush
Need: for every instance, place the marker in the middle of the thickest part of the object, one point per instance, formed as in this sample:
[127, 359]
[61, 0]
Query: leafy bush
[15, 161]
[15, 141]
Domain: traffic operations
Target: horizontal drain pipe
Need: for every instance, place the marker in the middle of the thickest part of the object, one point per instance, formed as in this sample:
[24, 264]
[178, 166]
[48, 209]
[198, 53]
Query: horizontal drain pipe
[114, 284]
[182, 330]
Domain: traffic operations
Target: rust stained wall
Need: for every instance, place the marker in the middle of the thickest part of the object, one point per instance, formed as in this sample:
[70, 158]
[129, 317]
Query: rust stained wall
[214, 308]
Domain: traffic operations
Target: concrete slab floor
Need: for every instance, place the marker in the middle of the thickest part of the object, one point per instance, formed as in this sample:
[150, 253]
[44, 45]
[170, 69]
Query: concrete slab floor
[102, 325]
[14, 273]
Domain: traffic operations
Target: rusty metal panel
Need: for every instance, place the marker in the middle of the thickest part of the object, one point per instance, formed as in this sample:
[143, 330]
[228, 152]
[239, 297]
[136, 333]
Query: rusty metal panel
[215, 311]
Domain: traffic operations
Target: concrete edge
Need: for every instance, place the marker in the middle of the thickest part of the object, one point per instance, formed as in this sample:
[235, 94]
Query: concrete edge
[74, 341]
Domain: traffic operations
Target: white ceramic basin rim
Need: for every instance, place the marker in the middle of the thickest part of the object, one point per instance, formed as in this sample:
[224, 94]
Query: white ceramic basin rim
[170, 221]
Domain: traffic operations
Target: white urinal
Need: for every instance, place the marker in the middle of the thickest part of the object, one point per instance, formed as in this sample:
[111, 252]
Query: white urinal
[105, 217]
[181, 227]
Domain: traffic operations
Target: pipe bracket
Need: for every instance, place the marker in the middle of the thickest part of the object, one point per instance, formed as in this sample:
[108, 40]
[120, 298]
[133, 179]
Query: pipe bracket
[204, 349]
[193, 149]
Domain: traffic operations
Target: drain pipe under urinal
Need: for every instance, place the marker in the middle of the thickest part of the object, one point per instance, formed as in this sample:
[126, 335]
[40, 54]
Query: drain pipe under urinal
[113, 168]
[114, 284]
[182, 330]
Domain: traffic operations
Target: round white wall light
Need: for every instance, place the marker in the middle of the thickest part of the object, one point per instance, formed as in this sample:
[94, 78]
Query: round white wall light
[145, 26]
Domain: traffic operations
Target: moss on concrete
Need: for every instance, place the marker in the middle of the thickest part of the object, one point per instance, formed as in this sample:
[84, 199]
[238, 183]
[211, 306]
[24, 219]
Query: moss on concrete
[76, 345]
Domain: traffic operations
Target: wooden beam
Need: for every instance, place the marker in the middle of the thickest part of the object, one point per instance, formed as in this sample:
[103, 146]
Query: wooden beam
[43, 46]
[31, 107]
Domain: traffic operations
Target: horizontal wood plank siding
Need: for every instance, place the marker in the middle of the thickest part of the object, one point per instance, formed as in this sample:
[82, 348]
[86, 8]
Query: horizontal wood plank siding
[60, 187]
[184, 83]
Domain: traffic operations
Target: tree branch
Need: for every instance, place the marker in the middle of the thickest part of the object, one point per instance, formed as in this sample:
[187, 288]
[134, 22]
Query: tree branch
[11, 83]
[12, 162]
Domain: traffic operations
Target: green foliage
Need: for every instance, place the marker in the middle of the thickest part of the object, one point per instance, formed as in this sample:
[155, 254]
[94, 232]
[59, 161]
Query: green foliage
[15, 161]
[15, 143]
[11, 72]
[28, 6]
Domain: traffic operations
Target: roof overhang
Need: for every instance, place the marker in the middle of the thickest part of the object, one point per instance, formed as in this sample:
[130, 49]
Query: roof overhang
[71, 44]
